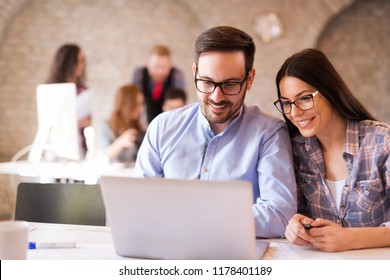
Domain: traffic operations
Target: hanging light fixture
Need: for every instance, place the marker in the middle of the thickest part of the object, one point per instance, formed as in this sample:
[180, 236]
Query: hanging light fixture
[268, 26]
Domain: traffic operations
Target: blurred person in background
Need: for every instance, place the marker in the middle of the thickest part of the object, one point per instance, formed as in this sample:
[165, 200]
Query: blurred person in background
[156, 78]
[69, 66]
[122, 134]
[174, 99]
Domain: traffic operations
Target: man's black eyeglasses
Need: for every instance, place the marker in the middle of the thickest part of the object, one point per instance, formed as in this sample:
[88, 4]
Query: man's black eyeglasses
[227, 88]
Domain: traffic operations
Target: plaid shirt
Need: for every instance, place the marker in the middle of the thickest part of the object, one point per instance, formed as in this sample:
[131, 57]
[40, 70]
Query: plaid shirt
[365, 199]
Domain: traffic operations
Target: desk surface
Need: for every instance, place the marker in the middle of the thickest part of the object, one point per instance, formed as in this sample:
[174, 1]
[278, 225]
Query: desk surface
[82, 171]
[13, 173]
[95, 242]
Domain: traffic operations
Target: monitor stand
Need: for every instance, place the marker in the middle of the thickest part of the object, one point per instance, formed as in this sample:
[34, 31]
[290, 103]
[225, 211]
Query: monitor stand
[38, 145]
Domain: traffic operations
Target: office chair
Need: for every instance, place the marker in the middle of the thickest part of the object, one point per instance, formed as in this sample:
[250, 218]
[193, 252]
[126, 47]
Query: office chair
[60, 203]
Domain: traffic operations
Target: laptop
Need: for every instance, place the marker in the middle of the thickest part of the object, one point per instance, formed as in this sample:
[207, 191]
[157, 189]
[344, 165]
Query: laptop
[157, 218]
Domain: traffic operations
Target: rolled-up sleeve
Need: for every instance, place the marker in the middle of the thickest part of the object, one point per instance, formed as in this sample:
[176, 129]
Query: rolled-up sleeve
[277, 202]
[148, 163]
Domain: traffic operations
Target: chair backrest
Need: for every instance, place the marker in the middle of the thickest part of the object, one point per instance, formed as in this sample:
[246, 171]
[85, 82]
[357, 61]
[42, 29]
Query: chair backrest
[60, 203]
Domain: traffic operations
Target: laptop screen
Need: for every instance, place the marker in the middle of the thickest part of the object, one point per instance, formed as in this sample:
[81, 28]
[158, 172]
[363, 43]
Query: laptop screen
[180, 219]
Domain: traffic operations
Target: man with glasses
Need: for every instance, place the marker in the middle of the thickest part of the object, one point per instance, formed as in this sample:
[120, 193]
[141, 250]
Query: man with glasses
[220, 138]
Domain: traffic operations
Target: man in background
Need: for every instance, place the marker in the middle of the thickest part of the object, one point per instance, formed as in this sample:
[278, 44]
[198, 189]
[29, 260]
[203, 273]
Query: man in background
[174, 99]
[156, 78]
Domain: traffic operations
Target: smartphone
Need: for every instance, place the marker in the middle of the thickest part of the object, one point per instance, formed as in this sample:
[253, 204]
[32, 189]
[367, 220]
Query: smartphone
[307, 227]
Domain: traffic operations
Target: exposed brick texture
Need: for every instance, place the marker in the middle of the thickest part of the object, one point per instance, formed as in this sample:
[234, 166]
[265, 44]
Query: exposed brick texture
[357, 42]
[116, 37]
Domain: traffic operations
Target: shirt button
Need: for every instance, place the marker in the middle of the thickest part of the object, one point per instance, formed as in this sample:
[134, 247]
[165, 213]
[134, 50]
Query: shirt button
[213, 142]
[206, 170]
[367, 192]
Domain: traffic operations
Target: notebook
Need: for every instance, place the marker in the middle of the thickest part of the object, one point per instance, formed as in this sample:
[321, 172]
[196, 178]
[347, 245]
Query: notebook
[157, 218]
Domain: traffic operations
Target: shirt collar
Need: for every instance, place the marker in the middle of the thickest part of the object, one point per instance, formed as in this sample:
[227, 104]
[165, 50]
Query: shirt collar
[205, 123]
[352, 138]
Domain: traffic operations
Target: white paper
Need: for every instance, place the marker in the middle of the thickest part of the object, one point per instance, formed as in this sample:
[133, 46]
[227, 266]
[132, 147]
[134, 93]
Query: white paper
[84, 104]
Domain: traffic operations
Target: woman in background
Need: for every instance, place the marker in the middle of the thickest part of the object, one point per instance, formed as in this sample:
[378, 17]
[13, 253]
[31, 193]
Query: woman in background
[68, 66]
[123, 133]
[341, 158]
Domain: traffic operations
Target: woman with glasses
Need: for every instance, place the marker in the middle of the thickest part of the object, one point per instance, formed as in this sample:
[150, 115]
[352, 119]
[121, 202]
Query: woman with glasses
[341, 158]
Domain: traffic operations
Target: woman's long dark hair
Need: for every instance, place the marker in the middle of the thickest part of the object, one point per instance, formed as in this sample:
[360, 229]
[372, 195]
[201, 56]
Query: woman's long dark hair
[314, 68]
[64, 65]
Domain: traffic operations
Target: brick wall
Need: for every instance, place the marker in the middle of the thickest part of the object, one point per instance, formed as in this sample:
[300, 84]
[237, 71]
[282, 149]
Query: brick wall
[116, 36]
[357, 42]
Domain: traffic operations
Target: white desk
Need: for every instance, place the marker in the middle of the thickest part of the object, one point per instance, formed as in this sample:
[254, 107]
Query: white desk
[46, 172]
[94, 242]
[13, 173]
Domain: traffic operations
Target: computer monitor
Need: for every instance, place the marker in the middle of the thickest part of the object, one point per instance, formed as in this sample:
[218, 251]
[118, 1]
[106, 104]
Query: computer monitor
[57, 131]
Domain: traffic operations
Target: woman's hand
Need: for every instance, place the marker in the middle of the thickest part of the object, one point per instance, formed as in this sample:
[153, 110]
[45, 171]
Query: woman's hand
[329, 236]
[84, 122]
[323, 234]
[295, 231]
[127, 139]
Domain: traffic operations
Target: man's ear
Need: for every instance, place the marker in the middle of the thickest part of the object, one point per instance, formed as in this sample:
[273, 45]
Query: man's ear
[193, 68]
[251, 78]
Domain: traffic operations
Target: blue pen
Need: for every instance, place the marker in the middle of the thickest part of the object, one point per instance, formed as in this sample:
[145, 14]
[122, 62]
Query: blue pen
[51, 245]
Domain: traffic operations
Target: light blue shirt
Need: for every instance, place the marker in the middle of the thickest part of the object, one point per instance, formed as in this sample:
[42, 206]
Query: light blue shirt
[255, 147]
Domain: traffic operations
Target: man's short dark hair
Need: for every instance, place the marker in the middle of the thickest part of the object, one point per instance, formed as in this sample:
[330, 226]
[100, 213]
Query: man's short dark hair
[176, 93]
[226, 39]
